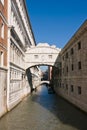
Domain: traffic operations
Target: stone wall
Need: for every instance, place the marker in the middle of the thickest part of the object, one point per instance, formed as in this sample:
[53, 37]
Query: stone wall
[3, 91]
[71, 83]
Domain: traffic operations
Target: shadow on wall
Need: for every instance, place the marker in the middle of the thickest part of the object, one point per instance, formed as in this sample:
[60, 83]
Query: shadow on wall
[29, 76]
[56, 72]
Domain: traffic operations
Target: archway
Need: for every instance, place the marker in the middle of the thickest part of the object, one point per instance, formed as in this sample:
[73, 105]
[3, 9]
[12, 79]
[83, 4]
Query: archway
[42, 54]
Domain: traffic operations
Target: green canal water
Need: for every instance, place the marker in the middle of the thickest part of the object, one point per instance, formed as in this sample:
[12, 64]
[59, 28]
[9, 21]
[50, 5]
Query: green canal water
[43, 111]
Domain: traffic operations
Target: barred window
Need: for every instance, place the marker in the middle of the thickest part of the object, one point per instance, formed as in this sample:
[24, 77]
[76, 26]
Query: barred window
[72, 67]
[79, 65]
[79, 90]
[36, 56]
[79, 45]
[72, 51]
[72, 88]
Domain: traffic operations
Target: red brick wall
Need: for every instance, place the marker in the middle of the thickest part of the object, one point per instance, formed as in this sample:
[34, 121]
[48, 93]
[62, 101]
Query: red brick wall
[3, 41]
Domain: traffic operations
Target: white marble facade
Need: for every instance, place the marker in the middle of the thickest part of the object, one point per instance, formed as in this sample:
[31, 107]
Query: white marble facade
[21, 36]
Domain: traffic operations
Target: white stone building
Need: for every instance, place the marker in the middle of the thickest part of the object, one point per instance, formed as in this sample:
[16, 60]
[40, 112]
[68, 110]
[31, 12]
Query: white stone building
[20, 36]
[3, 56]
[70, 80]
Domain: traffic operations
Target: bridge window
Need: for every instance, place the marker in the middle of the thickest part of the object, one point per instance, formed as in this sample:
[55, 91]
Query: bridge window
[50, 56]
[36, 56]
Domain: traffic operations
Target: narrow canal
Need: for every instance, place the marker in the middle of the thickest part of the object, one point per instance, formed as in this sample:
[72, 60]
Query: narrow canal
[43, 111]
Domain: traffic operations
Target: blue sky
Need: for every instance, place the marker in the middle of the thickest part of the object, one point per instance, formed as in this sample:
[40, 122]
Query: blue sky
[56, 21]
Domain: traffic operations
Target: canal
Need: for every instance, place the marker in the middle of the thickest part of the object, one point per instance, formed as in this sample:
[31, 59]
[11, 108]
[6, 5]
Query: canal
[43, 111]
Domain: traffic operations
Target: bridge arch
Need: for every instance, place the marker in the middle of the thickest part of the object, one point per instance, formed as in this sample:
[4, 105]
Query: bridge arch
[42, 54]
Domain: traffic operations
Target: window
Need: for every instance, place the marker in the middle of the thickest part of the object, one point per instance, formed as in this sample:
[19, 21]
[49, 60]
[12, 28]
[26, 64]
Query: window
[79, 45]
[67, 69]
[2, 1]
[72, 66]
[63, 70]
[50, 56]
[66, 86]
[63, 85]
[2, 30]
[79, 65]
[72, 51]
[79, 90]
[36, 56]
[1, 58]
[67, 55]
[63, 57]
[72, 89]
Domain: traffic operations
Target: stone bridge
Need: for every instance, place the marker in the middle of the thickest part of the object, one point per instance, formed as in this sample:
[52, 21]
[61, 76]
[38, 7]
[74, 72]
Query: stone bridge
[42, 54]
[45, 82]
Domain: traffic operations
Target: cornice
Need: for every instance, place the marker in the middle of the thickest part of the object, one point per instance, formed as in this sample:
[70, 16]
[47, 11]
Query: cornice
[3, 46]
[76, 36]
[20, 19]
[15, 65]
[13, 41]
[4, 19]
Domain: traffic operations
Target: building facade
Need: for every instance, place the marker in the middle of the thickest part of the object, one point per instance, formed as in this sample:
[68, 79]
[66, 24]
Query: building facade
[20, 37]
[3, 55]
[70, 79]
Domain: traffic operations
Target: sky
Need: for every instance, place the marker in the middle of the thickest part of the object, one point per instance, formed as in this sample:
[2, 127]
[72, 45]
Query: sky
[55, 21]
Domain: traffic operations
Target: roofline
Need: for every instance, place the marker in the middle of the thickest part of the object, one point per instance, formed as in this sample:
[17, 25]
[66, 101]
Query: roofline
[29, 20]
[78, 33]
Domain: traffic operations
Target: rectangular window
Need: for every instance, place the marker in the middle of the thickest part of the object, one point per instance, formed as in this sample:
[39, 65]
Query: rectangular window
[66, 86]
[63, 57]
[50, 56]
[79, 45]
[72, 51]
[1, 58]
[79, 65]
[67, 55]
[72, 66]
[67, 69]
[2, 30]
[72, 88]
[79, 90]
[35, 56]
